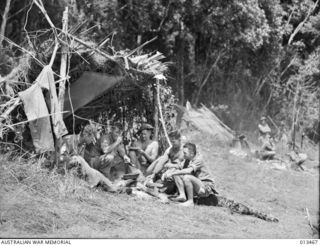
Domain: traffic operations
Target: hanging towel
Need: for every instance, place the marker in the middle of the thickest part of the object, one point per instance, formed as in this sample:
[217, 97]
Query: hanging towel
[37, 113]
[46, 81]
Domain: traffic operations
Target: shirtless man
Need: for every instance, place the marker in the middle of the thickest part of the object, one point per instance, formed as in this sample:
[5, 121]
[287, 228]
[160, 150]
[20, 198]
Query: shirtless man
[172, 158]
[193, 178]
[144, 151]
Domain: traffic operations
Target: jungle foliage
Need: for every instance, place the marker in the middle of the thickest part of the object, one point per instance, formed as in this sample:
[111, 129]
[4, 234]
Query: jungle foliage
[244, 57]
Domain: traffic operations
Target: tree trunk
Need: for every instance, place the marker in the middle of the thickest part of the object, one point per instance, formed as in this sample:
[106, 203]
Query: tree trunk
[4, 21]
[181, 71]
[294, 115]
[182, 82]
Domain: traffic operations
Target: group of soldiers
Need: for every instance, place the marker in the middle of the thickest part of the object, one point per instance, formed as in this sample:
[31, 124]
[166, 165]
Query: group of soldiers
[268, 149]
[103, 159]
[179, 174]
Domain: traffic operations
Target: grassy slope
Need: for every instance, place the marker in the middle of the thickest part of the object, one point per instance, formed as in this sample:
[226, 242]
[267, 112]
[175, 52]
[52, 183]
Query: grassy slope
[37, 204]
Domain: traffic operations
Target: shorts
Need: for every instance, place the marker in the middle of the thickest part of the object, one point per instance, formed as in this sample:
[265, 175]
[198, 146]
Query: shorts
[170, 186]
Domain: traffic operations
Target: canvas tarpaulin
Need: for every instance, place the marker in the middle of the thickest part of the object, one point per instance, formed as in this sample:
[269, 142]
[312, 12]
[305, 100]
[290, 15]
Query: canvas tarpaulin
[87, 88]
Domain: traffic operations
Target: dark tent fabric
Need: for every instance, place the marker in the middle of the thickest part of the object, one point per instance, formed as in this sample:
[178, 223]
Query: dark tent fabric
[87, 88]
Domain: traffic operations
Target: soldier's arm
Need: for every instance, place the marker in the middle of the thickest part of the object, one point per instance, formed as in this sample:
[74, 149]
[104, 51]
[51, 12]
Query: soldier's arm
[187, 170]
[154, 153]
[108, 147]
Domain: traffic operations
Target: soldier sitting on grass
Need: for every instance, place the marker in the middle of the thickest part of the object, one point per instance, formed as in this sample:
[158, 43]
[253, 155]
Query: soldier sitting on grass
[193, 179]
[107, 152]
[267, 151]
[72, 151]
[144, 151]
[172, 158]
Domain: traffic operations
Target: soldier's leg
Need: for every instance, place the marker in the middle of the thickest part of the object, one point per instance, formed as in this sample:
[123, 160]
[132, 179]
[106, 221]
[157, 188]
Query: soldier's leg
[134, 159]
[192, 185]
[106, 162]
[150, 169]
[181, 189]
[93, 176]
[156, 167]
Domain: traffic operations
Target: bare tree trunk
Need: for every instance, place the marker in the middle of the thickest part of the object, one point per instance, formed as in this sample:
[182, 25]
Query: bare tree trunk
[4, 21]
[182, 82]
[181, 70]
[294, 115]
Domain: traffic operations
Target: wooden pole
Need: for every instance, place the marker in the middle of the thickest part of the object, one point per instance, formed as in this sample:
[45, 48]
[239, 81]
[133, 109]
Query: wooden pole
[155, 115]
[161, 115]
[63, 76]
[64, 58]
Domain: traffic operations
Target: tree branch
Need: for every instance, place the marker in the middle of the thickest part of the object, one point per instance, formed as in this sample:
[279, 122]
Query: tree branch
[4, 21]
[302, 23]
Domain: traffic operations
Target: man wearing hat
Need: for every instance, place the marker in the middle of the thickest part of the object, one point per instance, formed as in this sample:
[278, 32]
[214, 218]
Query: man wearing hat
[144, 151]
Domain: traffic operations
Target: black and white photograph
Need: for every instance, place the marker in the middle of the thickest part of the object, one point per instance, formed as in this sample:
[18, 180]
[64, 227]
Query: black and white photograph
[159, 119]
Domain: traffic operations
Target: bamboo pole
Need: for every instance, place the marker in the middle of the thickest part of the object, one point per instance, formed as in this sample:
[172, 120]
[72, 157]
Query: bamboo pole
[161, 115]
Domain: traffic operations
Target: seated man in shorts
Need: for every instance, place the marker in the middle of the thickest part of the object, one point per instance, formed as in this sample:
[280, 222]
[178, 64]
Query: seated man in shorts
[144, 151]
[108, 152]
[71, 157]
[267, 151]
[194, 178]
[172, 158]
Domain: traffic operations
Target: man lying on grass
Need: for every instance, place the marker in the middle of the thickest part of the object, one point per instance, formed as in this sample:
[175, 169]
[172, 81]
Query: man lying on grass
[194, 178]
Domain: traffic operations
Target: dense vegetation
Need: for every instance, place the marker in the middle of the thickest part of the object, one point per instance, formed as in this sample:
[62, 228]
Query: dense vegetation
[242, 58]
